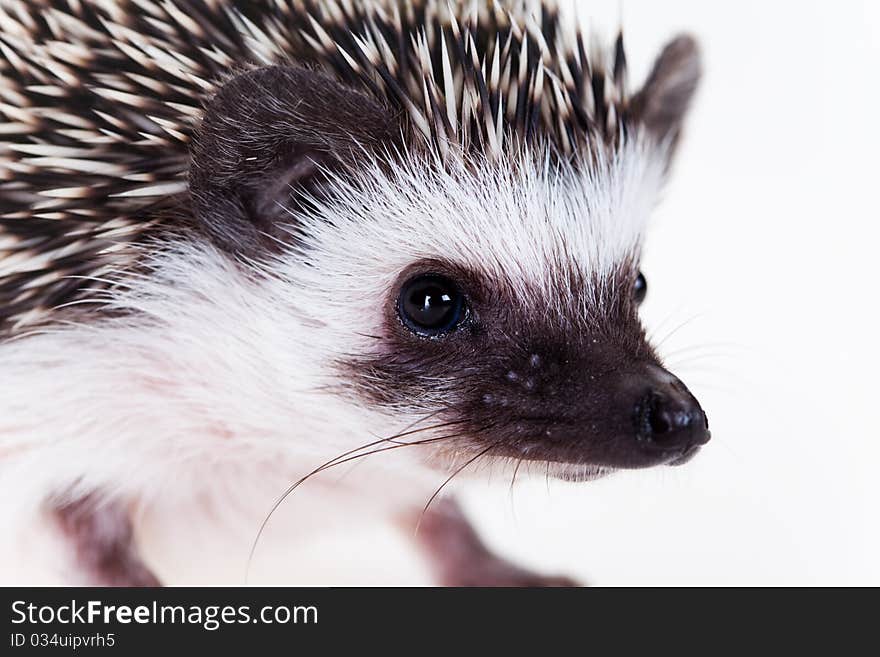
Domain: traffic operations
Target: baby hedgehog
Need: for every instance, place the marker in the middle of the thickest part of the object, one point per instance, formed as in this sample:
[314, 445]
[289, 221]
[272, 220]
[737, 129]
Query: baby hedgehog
[244, 242]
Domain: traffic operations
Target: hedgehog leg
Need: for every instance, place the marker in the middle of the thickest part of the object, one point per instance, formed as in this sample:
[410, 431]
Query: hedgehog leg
[458, 557]
[102, 539]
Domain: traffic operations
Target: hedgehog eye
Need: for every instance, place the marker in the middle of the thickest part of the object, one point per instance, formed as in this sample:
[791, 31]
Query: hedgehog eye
[640, 289]
[430, 305]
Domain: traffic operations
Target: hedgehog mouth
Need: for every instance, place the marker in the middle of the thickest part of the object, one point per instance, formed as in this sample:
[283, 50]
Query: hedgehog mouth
[579, 474]
[568, 466]
[686, 456]
[560, 470]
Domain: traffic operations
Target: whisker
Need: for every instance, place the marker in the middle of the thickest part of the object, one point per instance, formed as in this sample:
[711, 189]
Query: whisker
[512, 483]
[732, 348]
[515, 472]
[701, 360]
[659, 344]
[451, 477]
[345, 457]
[394, 440]
[663, 323]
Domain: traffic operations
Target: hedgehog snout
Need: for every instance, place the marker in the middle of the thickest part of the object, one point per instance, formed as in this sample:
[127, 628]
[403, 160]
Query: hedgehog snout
[668, 419]
[632, 416]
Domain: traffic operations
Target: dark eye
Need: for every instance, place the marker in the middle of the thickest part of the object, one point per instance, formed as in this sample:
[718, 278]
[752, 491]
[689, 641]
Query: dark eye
[641, 288]
[430, 305]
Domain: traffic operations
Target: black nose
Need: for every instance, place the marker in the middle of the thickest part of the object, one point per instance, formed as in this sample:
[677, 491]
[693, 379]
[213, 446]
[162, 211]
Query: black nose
[669, 418]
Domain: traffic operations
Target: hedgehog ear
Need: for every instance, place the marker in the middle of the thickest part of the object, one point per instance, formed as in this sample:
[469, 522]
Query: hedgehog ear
[662, 103]
[268, 138]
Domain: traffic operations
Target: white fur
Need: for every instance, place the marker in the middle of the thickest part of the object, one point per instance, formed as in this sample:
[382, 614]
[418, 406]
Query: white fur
[213, 390]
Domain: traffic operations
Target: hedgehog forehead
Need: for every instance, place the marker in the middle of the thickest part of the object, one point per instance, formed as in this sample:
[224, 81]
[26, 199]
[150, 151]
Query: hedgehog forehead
[522, 221]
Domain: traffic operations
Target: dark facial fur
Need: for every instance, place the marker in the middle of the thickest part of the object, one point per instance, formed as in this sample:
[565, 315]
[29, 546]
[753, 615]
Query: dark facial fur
[529, 377]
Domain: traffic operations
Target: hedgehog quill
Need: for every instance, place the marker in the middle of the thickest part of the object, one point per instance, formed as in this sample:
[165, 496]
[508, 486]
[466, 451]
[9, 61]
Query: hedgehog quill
[241, 242]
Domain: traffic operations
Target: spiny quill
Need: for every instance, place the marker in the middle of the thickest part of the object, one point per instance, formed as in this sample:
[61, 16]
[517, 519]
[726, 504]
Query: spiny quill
[99, 100]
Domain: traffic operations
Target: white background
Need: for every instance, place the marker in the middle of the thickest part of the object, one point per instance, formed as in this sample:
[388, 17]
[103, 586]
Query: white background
[765, 247]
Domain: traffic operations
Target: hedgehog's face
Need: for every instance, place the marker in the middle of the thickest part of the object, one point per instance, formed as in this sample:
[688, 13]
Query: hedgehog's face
[553, 375]
[505, 308]
[494, 299]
